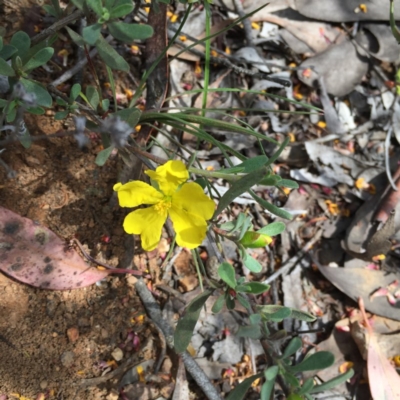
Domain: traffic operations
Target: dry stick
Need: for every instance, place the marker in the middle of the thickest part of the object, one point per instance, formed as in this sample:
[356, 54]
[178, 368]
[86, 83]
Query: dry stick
[192, 367]
[51, 30]
[246, 22]
[293, 261]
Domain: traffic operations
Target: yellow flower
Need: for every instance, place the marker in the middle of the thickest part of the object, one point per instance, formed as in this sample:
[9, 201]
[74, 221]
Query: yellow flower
[185, 203]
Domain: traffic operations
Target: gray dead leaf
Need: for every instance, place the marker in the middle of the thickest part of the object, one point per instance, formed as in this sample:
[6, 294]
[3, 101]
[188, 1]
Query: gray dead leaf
[396, 120]
[322, 178]
[345, 116]
[181, 391]
[228, 350]
[277, 125]
[212, 369]
[250, 56]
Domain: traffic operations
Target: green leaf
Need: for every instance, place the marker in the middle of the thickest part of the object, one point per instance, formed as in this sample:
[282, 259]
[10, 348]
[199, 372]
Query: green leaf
[337, 380]
[39, 59]
[219, 304]
[129, 32]
[77, 39]
[26, 139]
[103, 155]
[395, 31]
[11, 114]
[130, 115]
[121, 10]
[316, 361]
[267, 389]
[21, 42]
[290, 379]
[273, 229]
[36, 110]
[243, 301]
[276, 155]
[7, 51]
[247, 166]
[240, 390]
[96, 6]
[230, 303]
[294, 345]
[184, 329]
[274, 312]
[270, 207]
[255, 240]
[75, 90]
[237, 188]
[3, 103]
[294, 396]
[253, 287]
[271, 373]
[306, 387]
[255, 319]
[110, 56]
[1, 43]
[288, 183]
[249, 331]
[302, 315]
[61, 115]
[92, 96]
[227, 274]
[250, 263]
[61, 102]
[43, 97]
[91, 33]
[78, 3]
[6, 69]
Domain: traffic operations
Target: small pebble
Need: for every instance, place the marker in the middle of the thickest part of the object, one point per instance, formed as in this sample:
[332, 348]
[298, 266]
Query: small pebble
[67, 358]
[117, 354]
[113, 395]
[73, 334]
[43, 385]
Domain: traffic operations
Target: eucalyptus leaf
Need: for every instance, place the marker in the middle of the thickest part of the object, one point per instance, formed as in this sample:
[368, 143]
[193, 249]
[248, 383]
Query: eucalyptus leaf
[227, 274]
[294, 345]
[121, 10]
[39, 59]
[240, 390]
[238, 188]
[103, 155]
[6, 69]
[110, 55]
[129, 32]
[184, 329]
[270, 207]
[316, 361]
[249, 331]
[43, 97]
[91, 33]
[273, 229]
[337, 380]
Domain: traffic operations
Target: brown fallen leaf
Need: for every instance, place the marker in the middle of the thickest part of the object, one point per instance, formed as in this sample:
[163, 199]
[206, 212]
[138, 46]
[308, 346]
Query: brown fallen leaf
[384, 382]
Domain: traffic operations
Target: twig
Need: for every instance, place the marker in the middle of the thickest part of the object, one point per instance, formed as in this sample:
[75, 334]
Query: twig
[163, 348]
[293, 261]
[51, 30]
[387, 166]
[192, 367]
[246, 22]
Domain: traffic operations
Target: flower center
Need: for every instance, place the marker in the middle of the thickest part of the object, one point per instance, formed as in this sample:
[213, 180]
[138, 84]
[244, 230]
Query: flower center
[163, 206]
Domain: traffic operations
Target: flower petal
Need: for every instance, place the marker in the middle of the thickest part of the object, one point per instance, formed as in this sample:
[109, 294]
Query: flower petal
[136, 193]
[191, 198]
[169, 176]
[147, 223]
[190, 228]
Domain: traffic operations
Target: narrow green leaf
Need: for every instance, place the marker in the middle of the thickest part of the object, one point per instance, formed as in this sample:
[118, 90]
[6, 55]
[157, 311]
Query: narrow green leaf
[121, 10]
[240, 390]
[337, 380]
[294, 345]
[270, 207]
[249, 331]
[219, 304]
[276, 155]
[11, 114]
[237, 188]
[1, 43]
[243, 301]
[6, 69]
[21, 42]
[230, 303]
[273, 229]
[129, 32]
[249, 165]
[271, 373]
[316, 361]
[252, 264]
[43, 97]
[36, 110]
[110, 55]
[395, 31]
[227, 274]
[288, 183]
[274, 312]
[302, 315]
[184, 329]
[39, 59]
[103, 155]
[306, 387]
[92, 96]
[267, 389]
[78, 3]
[96, 6]
[75, 90]
[76, 38]
[91, 33]
[253, 287]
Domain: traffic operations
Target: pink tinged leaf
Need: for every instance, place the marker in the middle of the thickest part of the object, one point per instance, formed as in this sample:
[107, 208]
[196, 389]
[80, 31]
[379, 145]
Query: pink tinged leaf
[32, 254]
